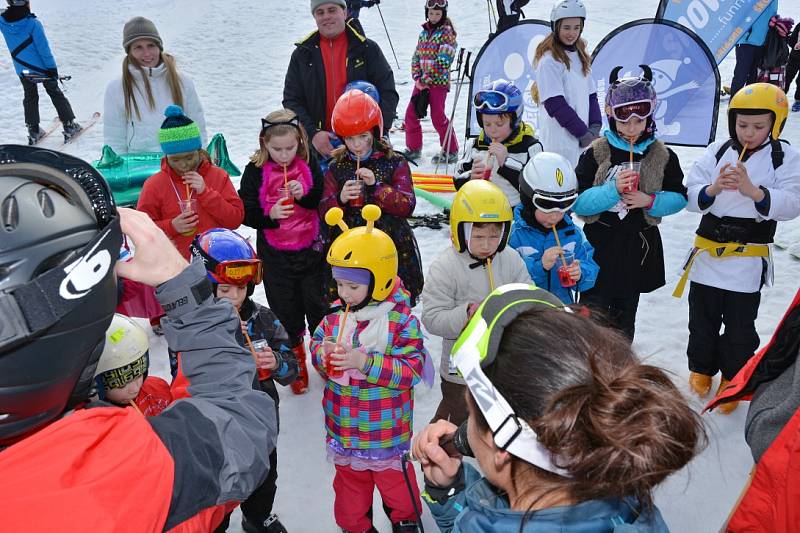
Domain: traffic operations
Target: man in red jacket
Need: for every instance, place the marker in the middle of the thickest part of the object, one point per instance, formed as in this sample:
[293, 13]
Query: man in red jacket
[74, 466]
[772, 430]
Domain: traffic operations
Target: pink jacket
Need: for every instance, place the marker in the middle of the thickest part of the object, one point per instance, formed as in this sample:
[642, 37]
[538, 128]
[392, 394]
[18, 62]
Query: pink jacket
[301, 228]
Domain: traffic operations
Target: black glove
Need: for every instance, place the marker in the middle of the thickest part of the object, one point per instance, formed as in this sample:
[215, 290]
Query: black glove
[421, 101]
[594, 129]
[586, 139]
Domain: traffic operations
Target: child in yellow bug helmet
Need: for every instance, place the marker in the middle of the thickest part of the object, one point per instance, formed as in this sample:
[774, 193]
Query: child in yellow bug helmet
[464, 274]
[370, 349]
[742, 186]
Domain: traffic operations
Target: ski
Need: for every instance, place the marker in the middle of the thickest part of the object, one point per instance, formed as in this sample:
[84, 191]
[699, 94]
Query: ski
[47, 131]
[92, 121]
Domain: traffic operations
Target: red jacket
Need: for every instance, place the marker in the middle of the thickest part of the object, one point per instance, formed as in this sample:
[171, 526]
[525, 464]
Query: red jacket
[218, 207]
[771, 501]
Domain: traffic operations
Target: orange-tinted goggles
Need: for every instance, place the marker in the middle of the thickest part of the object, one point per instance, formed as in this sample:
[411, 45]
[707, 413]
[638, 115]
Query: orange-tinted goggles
[239, 272]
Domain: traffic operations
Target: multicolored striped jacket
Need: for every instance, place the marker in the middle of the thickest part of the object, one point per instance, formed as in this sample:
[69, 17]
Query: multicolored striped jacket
[435, 51]
[375, 412]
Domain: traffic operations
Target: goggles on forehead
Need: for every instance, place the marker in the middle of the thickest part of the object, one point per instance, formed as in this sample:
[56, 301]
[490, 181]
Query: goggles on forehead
[490, 100]
[641, 109]
[267, 124]
[232, 272]
[436, 4]
[548, 204]
[476, 348]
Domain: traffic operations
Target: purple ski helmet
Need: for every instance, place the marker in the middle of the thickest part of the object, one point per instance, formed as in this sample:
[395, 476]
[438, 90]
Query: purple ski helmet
[631, 96]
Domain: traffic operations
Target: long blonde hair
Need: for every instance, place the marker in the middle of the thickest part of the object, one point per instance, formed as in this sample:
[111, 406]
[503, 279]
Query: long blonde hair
[129, 83]
[261, 155]
[552, 44]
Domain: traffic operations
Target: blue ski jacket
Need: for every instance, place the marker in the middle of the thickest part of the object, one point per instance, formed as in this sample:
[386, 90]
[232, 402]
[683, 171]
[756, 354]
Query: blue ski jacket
[37, 53]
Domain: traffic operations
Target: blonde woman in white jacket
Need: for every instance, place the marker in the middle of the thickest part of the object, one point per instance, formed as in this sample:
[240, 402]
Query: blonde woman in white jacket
[134, 104]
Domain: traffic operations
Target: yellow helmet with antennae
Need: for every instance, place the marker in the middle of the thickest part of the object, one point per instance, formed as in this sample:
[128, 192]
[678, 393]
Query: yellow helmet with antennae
[365, 247]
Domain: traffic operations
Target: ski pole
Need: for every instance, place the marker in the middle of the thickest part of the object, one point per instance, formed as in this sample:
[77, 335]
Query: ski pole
[448, 134]
[387, 35]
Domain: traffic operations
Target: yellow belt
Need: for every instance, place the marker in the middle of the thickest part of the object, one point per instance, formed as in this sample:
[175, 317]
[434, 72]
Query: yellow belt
[718, 249]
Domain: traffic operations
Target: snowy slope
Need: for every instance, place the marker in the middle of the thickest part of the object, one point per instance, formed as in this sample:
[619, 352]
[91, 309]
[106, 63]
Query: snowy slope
[237, 53]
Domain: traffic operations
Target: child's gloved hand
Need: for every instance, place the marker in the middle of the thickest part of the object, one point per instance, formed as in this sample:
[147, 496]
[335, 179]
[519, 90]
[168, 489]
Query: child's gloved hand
[550, 256]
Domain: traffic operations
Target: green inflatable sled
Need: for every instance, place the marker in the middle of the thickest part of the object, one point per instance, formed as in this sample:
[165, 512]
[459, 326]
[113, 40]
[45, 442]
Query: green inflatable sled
[126, 173]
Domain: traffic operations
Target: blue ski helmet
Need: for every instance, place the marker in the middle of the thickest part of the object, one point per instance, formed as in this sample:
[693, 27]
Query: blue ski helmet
[497, 98]
[366, 88]
[219, 246]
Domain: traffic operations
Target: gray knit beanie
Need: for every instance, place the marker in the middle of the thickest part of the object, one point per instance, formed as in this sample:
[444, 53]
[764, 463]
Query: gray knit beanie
[140, 28]
[316, 3]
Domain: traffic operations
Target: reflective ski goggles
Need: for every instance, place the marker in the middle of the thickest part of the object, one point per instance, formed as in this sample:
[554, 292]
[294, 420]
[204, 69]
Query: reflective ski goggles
[548, 204]
[267, 124]
[239, 272]
[641, 109]
[436, 4]
[490, 100]
[476, 348]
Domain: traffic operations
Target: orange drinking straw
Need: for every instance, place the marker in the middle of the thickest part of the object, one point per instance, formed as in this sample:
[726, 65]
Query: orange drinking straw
[285, 182]
[490, 273]
[558, 243]
[188, 192]
[744, 149]
[341, 325]
[133, 404]
[631, 153]
[250, 344]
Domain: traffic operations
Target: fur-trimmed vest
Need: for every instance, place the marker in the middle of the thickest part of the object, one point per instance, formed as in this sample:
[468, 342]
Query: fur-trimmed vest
[651, 173]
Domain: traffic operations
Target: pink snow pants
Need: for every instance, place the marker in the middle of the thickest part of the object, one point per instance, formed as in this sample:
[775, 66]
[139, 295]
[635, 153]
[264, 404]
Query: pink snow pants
[438, 117]
[354, 489]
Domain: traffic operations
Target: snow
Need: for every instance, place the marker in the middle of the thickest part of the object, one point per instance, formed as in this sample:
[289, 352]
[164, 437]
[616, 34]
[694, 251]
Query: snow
[237, 53]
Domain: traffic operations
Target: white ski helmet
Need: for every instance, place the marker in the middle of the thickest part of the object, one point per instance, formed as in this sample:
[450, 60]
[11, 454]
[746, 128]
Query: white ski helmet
[125, 354]
[549, 182]
[565, 9]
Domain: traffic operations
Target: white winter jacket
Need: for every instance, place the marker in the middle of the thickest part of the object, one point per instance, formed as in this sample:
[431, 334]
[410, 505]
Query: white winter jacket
[132, 135]
[451, 285]
[743, 274]
[553, 78]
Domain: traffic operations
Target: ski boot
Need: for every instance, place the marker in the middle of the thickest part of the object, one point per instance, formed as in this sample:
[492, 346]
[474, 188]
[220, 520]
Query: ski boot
[700, 383]
[300, 384]
[270, 525]
[35, 134]
[796, 106]
[412, 155]
[405, 526]
[444, 158]
[729, 407]
[71, 128]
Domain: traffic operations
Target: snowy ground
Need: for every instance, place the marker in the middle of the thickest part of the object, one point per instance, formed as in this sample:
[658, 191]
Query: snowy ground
[237, 53]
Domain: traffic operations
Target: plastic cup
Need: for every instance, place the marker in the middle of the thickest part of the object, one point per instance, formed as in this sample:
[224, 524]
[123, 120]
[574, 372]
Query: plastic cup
[287, 198]
[259, 345]
[188, 206]
[563, 270]
[633, 166]
[329, 346]
[360, 200]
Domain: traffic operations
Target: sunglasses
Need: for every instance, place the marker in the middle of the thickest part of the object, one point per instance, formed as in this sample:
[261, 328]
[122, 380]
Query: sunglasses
[490, 100]
[641, 109]
[547, 204]
[436, 4]
[267, 124]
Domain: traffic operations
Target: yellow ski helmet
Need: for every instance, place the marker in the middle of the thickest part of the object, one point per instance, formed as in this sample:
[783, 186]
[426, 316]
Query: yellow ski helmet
[759, 97]
[479, 201]
[365, 247]
[125, 354]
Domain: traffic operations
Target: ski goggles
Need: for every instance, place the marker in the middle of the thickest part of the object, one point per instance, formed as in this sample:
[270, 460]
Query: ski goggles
[436, 4]
[267, 124]
[476, 348]
[238, 272]
[641, 109]
[548, 204]
[490, 100]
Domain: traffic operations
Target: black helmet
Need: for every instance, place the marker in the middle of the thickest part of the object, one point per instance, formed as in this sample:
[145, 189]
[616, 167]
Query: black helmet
[59, 240]
[17, 3]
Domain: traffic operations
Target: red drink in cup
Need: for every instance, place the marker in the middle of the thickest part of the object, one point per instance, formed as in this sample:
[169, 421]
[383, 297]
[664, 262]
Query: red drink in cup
[259, 345]
[360, 200]
[563, 270]
[633, 167]
[287, 198]
[329, 346]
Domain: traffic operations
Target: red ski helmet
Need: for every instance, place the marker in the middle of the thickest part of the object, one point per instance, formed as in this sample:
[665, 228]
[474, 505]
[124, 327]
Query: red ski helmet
[356, 112]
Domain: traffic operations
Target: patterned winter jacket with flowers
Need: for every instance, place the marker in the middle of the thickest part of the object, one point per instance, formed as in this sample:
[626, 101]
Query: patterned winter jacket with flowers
[376, 410]
[435, 51]
[393, 192]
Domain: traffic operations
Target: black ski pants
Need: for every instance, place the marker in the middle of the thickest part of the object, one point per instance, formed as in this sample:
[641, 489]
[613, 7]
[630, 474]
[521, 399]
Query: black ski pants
[619, 312]
[748, 56]
[709, 350]
[31, 101]
[792, 70]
